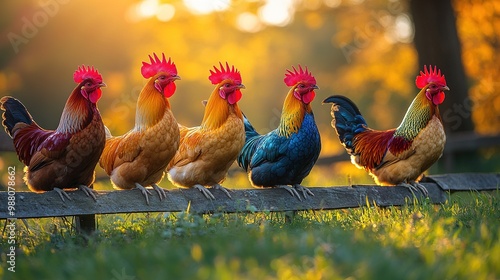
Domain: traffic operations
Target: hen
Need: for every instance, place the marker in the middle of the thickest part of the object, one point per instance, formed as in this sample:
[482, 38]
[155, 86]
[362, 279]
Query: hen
[138, 158]
[66, 157]
[207, 151]
[286, 155]
[400, 155]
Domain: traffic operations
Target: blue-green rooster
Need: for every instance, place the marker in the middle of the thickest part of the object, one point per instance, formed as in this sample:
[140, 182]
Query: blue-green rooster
[285, 156]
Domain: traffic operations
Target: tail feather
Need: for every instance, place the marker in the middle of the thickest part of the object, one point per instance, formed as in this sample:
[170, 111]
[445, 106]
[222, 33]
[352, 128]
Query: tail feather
[15, 112]
[252, 140]
[250, 132]
[347, 120]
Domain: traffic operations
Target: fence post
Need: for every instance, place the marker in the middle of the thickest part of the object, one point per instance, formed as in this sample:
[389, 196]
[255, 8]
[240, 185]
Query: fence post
[85, 224]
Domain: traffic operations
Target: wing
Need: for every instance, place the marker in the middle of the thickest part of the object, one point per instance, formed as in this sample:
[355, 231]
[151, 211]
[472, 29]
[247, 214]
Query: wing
[120, 149]
[36, 146]
[271, 149]
[189, 147]
[375, 149]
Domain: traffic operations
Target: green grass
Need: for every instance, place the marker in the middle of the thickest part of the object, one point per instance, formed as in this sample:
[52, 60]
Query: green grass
[457, 240]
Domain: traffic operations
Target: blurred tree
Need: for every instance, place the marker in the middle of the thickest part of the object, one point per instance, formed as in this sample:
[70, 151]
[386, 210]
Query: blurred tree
[479, 32]
[437, 43]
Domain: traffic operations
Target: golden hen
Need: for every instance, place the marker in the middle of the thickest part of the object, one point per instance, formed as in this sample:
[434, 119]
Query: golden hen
[138, 158]
[207, 151]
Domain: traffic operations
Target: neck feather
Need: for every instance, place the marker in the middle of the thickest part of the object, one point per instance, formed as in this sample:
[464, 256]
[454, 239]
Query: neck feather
[218, 110]
[417, 116]
[292, 115]
[151, 106]
[77, 113]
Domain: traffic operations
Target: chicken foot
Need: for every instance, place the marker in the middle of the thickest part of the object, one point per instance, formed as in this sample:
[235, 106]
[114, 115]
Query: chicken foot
[291, 190]
[162, 193]
[88, 191]
[225, 190]
[415, 186]
[144, 191]
[305, 191]
[62, 194]
[204, 191]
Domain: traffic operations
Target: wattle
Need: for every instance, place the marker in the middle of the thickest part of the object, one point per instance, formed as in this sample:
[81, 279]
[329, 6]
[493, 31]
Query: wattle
[169, 89]
[308, 97]
[95, 95]
[438, 98]
[234, 97]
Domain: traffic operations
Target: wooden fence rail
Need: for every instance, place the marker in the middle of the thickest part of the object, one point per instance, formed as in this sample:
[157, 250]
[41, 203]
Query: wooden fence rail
[49, 204]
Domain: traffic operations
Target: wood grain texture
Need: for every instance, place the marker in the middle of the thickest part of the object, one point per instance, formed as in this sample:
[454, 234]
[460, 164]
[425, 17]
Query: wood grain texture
[34, 205]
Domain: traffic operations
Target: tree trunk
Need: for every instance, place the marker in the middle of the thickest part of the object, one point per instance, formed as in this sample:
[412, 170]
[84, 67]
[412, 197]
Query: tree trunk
[437, 43]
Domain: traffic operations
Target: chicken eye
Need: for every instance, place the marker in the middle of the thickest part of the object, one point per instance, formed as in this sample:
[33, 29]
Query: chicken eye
[227, 85]
[302, 86]
[88, 84]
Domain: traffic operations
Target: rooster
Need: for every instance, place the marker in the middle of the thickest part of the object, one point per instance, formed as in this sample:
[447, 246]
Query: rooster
[66, 157]
[138, 158]
[286, 155]
[207, 151]
[400, 155]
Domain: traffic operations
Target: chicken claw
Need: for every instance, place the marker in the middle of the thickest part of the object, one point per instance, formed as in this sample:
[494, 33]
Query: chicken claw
[62, 193]
[226, 191]
[88, 191]
[162, 193]
[305, 191]
[291, 190]
[415, 186]
[144, 191]
[204, 191]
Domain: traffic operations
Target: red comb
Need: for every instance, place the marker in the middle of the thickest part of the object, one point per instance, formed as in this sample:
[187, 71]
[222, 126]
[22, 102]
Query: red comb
[148, 70]
[431, 76]
[292, 78]
[82, 74]
[231, 73]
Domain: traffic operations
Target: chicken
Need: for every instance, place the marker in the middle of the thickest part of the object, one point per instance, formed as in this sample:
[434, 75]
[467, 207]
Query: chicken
[207, 151]
[286, 155]
[66, 157]
[138, 158]
[400, 155]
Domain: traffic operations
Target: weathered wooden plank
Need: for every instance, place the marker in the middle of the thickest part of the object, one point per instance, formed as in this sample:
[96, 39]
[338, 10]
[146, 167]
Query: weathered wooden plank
[466, 181]
[34, 205]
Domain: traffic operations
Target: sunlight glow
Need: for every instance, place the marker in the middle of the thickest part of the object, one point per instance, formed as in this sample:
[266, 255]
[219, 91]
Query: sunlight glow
[248, 22]
[404, 30]
[148, 8]
[332, 3]
[206, 6]
[401, 30]
[277, 12]
[165, 12]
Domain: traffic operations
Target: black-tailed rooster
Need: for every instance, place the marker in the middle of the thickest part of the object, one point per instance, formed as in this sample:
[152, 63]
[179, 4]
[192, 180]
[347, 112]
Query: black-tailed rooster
[400, 155]
[66, 157]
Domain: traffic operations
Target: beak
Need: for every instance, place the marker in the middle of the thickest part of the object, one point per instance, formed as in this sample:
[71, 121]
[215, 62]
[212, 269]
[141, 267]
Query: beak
[241, 86]
[315, 87]
[445, 88]
[102, 85]
[176, 77]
